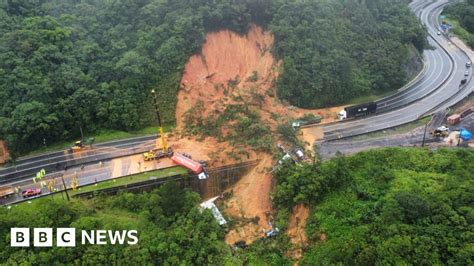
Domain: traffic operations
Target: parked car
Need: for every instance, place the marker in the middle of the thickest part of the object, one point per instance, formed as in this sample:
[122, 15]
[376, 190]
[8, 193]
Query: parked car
[468, 64]
[30, 192]
[466, 73]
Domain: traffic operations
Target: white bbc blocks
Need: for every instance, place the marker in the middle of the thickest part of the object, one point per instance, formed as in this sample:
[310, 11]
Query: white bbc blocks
[43, 237]
[20, 237]
[66, 237]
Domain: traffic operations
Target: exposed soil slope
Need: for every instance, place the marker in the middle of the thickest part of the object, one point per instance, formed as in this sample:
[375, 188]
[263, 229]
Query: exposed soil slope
[225, 56]
[296, 230]
[250, 200]
[230, 67]
[235, 69]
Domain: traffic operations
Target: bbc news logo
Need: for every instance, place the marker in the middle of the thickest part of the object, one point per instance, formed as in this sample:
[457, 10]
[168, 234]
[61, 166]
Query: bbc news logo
[66, 237]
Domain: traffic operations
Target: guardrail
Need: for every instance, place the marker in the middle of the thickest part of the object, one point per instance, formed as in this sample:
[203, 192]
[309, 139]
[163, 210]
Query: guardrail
[139, 186]
[220, 179]
[461, 87]
[54, 166]
[429, 112]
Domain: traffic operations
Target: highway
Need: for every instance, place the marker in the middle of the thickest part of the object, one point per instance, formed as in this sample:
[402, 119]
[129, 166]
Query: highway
[58, 161]
[348, 146]
[438, 88]
[420, 86]
[89, 174]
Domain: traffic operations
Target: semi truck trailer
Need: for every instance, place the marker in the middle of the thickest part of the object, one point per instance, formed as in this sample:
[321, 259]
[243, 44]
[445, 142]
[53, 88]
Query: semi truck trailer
[357, 110]
[190, 164]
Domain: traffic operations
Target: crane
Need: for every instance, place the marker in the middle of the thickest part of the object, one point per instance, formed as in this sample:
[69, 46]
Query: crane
[162, 134]
[165, 151]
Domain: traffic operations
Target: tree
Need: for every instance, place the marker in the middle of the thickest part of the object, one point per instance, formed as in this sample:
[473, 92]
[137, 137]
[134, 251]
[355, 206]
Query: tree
[93, 63]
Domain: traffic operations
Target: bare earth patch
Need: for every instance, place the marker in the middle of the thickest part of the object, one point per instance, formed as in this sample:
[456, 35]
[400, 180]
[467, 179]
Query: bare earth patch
[251, 199]
[237, 69]
[296, 230]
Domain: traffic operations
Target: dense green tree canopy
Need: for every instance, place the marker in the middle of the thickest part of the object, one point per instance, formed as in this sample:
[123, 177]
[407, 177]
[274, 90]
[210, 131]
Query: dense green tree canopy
[334, 51]
[389, 206]
[171, 230]
[464, 13]
[386, 207]
[92, 64]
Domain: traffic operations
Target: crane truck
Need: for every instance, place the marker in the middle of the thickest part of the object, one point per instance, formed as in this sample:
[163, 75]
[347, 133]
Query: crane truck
[164, 151]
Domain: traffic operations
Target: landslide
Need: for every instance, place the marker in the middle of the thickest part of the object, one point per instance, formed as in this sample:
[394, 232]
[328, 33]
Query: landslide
[209, 80]
[296, 230]
[235, 69]
[226, 91]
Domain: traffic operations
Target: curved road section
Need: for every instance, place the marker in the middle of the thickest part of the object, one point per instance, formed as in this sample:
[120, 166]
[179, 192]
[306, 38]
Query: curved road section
[417, 88]
[438, 88]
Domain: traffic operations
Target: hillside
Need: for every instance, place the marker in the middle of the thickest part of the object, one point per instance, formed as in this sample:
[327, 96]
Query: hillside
[463, 16]
[387, 206]
[69, 64]
[171, 229]
[228, 109]
[415, 209]
[334, 51]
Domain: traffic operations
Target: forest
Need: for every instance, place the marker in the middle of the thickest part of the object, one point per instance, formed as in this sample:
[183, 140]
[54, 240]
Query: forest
[464, 13]
[66, 65]
[171, 229]
[394, 206]
[334, 51]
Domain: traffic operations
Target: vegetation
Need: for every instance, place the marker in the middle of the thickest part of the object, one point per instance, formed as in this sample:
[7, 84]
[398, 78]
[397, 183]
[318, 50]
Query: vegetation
[237, 123]
[126, 180]
[253, 77]
[462, 15]
[265, 252]
[334, 51]
[287, 133]
[171, 230]
[91, 64]
[390, 206]
[387, 206]
[309, 118]
[100, 137]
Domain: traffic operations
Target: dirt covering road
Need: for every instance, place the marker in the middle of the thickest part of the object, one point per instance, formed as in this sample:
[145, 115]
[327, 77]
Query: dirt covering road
[237, 69]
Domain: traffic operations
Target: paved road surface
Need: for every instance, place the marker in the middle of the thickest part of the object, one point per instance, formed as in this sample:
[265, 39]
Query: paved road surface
[91, 174]
[434, 90]
[27, 167]
[329, 149]
[445, 69]
[419, 87]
